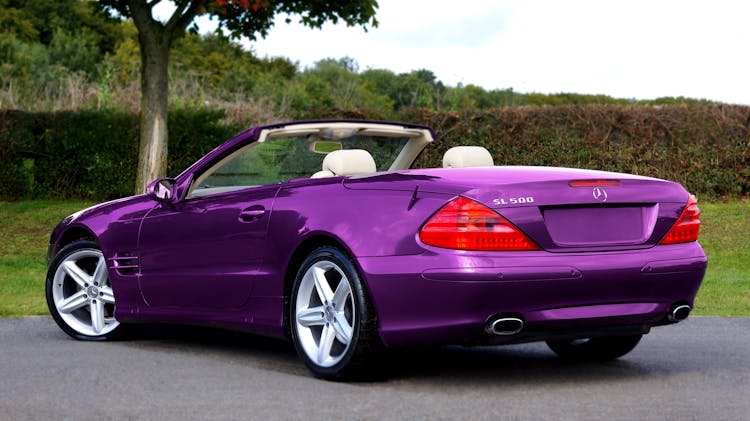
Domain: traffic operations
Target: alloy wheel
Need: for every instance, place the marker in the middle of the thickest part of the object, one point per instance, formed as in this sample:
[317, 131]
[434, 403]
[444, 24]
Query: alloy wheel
[325, 313]
[82, 294]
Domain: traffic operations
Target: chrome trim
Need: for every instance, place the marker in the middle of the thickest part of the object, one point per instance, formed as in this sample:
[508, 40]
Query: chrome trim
[495, 327]
[679, 313]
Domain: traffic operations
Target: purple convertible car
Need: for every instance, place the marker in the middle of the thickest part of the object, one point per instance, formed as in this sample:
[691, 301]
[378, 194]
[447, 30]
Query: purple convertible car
[320, 231]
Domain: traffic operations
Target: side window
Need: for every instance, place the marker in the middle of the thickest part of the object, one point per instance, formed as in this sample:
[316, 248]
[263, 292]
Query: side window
[286, 158]
[259, 164]
[241, 170]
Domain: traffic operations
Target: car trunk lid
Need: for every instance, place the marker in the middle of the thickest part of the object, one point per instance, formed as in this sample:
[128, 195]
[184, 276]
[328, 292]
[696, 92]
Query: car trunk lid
[560, 209]
[580, 211]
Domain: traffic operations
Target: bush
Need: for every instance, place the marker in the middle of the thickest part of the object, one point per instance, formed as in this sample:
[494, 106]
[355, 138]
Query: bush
[92, 154]
[704, 147]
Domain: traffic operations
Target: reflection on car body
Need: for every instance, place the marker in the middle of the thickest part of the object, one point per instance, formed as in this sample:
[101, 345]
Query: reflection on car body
[323, 233]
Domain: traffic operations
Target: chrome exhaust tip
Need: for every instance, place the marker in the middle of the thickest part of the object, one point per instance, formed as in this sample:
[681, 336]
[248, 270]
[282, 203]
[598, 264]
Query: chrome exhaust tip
[679, 313]
[504, 326]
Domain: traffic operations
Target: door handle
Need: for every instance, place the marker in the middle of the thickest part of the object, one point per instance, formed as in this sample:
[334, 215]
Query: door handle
[252, 213]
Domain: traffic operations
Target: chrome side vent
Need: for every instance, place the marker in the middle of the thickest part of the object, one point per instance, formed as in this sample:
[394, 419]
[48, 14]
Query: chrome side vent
[125, 264]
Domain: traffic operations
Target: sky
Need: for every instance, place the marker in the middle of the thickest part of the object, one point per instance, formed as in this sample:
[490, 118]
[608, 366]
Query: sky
[625, 49]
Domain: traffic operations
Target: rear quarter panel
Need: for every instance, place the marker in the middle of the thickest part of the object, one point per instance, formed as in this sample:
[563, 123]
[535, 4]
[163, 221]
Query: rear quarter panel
[365, 222]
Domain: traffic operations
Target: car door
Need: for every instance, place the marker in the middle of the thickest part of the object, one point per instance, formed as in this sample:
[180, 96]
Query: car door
[204, 252]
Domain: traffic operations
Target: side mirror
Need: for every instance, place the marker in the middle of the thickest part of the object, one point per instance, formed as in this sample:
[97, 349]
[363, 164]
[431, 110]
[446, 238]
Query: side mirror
[162, 190]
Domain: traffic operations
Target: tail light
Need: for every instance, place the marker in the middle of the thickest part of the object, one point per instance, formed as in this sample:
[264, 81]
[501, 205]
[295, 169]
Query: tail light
[464, 224]
[594, 183]
[687, 226]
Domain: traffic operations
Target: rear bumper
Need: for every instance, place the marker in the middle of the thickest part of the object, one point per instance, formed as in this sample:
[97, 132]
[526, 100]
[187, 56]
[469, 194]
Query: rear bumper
[447, 296]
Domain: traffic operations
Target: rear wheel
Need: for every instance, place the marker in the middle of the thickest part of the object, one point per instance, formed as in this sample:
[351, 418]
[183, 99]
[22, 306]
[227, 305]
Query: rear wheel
[333, 324]
[79, 295]
[594, 349]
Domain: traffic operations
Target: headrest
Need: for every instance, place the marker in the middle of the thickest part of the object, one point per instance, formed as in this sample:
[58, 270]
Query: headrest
[467, 156]
[349, 162]
[322, 174]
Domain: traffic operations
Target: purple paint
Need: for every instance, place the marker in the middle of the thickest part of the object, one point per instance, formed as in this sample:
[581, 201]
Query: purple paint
[223, 259]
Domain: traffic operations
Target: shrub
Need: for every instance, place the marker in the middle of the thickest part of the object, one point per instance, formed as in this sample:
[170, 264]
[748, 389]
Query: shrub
[92, 154]
[704, 147]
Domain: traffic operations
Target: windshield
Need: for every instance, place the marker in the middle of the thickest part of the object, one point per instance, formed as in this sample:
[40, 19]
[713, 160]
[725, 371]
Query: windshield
[288, 157]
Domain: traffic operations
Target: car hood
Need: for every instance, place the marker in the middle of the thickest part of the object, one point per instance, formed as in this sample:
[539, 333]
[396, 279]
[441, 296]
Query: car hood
[105, 208]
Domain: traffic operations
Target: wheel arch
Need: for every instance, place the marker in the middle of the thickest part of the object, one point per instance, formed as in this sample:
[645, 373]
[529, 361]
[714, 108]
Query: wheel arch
[72, 234]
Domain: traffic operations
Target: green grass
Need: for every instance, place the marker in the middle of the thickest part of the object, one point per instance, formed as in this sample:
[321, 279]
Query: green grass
[26, 226]
[725, 236]
[24, 234]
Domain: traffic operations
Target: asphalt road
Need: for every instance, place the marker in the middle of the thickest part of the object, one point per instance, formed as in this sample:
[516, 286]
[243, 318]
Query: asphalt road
[699, 369]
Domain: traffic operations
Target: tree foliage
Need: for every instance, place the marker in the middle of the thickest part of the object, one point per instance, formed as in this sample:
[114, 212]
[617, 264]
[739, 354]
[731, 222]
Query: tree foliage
[248, 18]
[53, 52]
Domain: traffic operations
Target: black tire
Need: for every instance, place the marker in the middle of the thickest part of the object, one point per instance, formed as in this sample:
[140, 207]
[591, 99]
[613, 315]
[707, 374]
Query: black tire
[594, 349]
[60, 285]
[355, 361]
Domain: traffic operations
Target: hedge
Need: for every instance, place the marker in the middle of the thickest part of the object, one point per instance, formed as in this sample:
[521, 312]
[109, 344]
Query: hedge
[704, 147]
[92, 154]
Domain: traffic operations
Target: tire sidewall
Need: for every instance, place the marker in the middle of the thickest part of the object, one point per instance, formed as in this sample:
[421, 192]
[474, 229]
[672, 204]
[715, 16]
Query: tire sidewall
[60, 257]
[344, 262]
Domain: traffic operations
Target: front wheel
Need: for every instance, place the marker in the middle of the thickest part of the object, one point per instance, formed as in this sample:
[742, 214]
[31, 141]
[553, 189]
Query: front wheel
[79, 295]
[333, 324]
[594, 349]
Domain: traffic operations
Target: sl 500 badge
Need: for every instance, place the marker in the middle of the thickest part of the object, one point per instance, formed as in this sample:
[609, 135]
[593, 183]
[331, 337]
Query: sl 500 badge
[513, 200]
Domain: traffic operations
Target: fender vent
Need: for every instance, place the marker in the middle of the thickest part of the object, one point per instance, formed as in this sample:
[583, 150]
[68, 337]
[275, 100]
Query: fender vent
[126, 265]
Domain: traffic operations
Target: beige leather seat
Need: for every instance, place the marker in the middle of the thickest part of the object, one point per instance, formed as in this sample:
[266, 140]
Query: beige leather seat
[467, 156]
[346, 162]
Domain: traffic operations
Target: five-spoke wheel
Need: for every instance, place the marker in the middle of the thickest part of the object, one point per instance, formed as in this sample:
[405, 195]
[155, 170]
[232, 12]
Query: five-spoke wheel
[332, 322]
[324, 313]
[79, 295]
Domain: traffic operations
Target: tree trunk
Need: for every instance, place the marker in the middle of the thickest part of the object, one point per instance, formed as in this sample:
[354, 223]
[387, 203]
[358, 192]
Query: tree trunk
[155, 39]
[152, 150]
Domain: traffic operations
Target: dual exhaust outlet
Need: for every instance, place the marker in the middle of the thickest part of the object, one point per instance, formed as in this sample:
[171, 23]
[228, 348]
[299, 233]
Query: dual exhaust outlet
[507, 326]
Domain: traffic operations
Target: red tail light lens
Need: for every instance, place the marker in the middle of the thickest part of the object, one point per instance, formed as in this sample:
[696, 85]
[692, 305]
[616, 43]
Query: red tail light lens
[687, 226]
[594, 183]
[464, 224]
